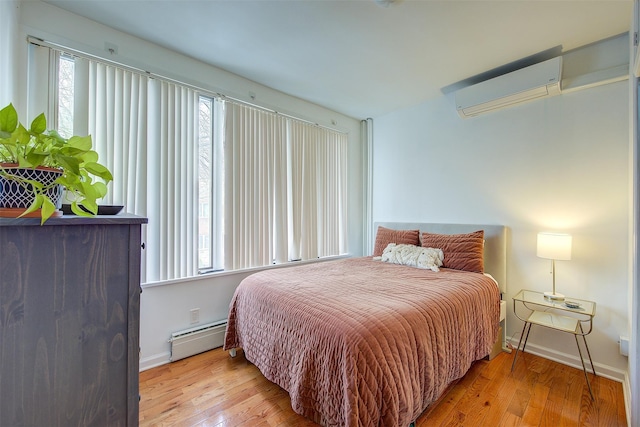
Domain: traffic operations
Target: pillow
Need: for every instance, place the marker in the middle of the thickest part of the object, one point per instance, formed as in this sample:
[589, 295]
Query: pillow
[413, 256]
[461, 251]
[384, 236]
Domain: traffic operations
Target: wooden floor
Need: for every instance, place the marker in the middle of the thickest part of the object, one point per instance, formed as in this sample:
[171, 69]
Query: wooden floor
[212, 389]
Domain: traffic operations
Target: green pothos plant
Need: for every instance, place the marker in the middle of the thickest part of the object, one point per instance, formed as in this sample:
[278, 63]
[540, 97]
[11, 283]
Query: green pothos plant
[84, 179]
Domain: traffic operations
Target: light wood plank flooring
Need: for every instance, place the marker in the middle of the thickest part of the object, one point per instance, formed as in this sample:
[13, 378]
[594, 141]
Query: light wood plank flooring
[212, 389]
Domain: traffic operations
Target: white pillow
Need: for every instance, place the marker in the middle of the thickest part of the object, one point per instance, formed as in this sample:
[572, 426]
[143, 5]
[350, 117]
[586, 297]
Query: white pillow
[413, 256]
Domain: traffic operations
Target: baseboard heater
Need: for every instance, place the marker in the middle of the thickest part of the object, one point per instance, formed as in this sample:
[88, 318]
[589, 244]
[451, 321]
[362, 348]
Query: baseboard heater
[197, 340]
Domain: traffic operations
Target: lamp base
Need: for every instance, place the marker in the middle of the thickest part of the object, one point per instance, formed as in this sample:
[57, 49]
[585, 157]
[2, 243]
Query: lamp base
[554, 296]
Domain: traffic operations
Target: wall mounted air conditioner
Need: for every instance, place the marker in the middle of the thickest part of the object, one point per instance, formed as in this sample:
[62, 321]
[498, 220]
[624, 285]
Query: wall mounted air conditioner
[533, 82]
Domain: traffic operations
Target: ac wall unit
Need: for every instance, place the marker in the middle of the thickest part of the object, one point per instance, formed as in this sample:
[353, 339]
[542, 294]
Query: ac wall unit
[533, 82]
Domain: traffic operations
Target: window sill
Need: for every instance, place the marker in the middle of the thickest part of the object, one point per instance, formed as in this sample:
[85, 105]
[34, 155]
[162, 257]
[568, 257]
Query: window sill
[246, 271]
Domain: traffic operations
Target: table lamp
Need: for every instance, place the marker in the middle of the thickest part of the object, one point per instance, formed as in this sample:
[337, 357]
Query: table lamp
[554, 246]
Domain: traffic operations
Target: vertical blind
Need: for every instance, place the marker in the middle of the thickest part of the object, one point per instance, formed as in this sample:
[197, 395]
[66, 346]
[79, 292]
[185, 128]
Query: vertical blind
[280, 183]
[145, 132]
[318, 191]
[255, 159]
[286, 187]
[175, 168]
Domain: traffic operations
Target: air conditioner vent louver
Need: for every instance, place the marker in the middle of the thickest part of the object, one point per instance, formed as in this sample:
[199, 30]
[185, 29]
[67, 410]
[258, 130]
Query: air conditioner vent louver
[536, 81]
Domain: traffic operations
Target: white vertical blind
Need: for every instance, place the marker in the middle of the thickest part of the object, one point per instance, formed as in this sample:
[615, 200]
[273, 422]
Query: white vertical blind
[366, 133]
[145, 133]
[40, 90]
[332, 186]
[285, 192]
[116, 105]
[318, 191]
[153, 254]
[281, 176]
[303, 147]
[177, 174]
[279, 184]
[255, 183]
[111, 106]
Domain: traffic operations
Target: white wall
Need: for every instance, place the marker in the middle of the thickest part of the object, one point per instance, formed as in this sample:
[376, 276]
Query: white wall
[9, 17]
[632, 384]
[165, 309]
[559, 164]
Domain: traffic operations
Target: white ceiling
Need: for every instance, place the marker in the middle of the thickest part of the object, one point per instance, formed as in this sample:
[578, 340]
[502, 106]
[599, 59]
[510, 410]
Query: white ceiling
[354, 56]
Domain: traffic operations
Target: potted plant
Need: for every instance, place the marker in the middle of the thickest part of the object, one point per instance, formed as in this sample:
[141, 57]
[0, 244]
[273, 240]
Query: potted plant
[36, 164]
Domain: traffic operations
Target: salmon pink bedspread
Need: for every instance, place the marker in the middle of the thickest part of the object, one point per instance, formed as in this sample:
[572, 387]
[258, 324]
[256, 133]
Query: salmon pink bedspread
[358, 342]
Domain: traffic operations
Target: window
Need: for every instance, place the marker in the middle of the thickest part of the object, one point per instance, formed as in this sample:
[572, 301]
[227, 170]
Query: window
[204, 208]
[225, 185]
[203, 243]
[65, 95]
[205, 184]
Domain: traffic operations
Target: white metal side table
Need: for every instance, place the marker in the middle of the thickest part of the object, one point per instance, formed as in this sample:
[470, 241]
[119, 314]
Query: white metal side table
[566, 315]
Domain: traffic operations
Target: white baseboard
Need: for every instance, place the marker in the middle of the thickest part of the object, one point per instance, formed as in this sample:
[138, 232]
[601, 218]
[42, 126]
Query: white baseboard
[155, 360]
[574, 361]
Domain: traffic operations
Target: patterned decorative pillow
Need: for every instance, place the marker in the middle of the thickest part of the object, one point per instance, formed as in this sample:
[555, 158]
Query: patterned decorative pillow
[384, 236]
[413, 256]
[461, 251]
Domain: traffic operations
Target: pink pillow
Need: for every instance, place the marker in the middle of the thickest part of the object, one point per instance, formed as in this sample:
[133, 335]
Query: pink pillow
[384, 236]
[461, 251]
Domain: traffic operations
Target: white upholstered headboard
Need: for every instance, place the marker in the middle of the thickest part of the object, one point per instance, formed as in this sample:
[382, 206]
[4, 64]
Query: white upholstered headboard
[495, 245]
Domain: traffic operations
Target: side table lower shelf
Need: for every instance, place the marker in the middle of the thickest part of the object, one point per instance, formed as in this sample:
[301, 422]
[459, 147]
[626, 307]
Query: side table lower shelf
[561, 323]
[554, 321]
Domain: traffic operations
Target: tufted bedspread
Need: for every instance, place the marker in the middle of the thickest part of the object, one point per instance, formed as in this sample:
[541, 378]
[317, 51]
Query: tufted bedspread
[358, 342]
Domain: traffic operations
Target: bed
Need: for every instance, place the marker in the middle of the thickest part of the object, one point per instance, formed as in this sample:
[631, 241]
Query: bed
[361, 342]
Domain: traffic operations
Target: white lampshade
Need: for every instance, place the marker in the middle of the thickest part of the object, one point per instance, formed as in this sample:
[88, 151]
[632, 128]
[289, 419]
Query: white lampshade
[554, 246]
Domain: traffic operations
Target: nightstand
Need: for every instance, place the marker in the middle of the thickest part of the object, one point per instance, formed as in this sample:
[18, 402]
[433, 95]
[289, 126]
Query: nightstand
[566, 315]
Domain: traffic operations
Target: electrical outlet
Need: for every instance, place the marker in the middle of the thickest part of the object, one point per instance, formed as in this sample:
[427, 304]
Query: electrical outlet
[624, 346]
[195, 315]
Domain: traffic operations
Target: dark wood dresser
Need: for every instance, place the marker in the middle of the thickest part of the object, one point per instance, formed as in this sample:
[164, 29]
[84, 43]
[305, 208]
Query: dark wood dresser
[69, 321]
